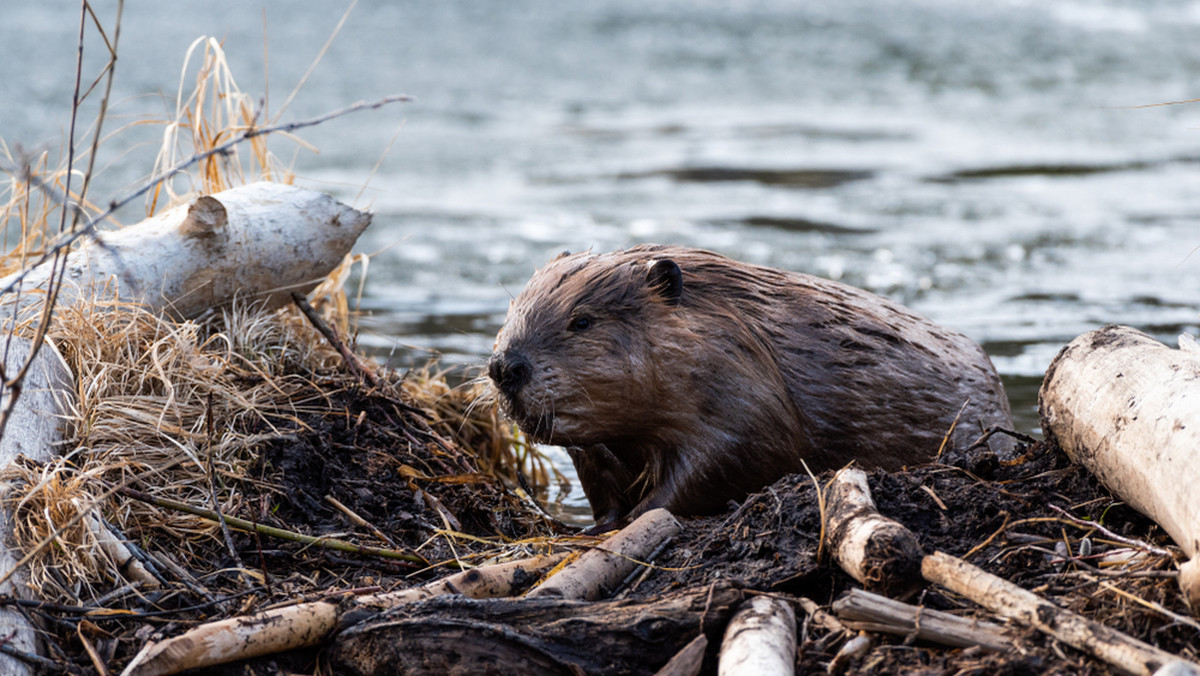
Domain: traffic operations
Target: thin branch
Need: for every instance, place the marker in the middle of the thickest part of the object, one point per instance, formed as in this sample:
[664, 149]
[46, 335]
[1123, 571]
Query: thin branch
[1137, 544]
[353, 365]
[253, 132]
[271, 531]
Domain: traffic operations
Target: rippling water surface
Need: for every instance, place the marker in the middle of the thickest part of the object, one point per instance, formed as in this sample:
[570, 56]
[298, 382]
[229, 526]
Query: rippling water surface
[985, 163]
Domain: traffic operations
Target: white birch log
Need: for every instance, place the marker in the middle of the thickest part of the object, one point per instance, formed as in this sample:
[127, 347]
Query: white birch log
[1127, 408]
[36, 429]
[257, 242]
[760, 639]
[598, 572]
[880, 553]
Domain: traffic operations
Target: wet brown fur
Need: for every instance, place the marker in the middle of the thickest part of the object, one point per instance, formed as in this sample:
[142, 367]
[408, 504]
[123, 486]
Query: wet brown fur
[689, 399]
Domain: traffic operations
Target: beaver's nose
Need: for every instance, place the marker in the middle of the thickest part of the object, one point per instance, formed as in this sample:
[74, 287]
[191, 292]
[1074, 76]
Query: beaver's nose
[510, 371]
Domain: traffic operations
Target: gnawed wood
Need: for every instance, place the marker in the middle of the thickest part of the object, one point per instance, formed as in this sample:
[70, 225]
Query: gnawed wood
[256, 242]
[760, 639]
[1008, 600]
[881, 554]
[532, 636]
[308, 624]
[600, 571]
[1127, 408]
[864, 611]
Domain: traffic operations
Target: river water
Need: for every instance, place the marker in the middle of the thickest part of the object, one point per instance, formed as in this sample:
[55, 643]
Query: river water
[992, 165]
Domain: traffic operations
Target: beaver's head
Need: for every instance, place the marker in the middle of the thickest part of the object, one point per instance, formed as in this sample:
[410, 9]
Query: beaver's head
[580, 358]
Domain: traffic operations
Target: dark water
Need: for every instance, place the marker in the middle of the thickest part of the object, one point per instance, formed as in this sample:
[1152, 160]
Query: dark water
[985, 163]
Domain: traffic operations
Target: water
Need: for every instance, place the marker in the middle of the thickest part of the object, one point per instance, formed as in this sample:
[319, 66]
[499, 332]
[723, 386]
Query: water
[985, 164]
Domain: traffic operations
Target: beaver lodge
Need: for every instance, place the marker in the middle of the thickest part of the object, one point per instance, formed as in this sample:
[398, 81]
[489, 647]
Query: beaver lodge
[234, 491]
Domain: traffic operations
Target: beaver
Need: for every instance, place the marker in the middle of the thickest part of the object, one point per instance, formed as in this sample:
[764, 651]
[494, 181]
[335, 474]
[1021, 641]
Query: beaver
[680, 378]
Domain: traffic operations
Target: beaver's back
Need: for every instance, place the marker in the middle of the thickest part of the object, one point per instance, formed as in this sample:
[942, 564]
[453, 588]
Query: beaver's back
[872, 380]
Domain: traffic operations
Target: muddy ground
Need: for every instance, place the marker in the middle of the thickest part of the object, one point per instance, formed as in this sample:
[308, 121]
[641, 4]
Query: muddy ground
[375, 452]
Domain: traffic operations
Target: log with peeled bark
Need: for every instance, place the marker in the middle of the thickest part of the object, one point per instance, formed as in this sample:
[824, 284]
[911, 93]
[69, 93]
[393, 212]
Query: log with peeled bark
[1127, 408]
[881, 554]
[256, 243]
[760, 639]
[600, 571]
[35, 430]
[533, 636]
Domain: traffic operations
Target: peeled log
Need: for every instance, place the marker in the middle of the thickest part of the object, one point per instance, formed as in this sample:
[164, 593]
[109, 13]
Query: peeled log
[881, 554]
[760, 639]
[1127, 408]
[36, 430]
[598, 572]
[257, 242]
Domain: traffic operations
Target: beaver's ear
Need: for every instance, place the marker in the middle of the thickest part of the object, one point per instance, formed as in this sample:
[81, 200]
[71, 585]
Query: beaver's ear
[666, 279]
[564, 254]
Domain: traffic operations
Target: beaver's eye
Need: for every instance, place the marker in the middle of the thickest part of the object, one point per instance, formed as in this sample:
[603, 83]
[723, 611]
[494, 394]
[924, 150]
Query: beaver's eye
[582, 323]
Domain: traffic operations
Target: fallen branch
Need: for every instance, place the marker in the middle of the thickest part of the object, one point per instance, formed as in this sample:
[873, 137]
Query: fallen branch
[353, 365]
[881, 554]
[1127, 408]
[864, 611]
[599, 572]
[760, 639]
[456, 635]
[308, 624]
[1012, 602]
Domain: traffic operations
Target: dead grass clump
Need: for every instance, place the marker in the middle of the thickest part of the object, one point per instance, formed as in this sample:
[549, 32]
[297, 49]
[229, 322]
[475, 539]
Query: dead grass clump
[468, 414]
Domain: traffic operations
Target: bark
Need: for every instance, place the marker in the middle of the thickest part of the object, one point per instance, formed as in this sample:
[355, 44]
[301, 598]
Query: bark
[455, 635]
[881, 554]
[600, 571]
[1127, 408]
[308, 624]
[1010, 601]
[760, 639]
[865, 611]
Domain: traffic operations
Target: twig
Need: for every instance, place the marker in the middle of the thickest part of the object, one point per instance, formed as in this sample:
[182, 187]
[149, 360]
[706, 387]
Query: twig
[212, 484]
[1157, 607]
[1137, 544]
[252, 527]
[954, 424]
[352, 363]
[990, 432]
[358, 520]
